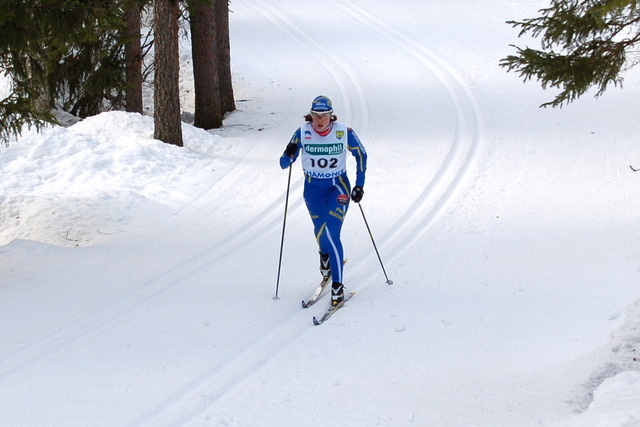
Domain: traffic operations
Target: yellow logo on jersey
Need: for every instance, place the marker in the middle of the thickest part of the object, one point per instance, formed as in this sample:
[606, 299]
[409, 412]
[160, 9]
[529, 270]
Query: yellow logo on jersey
[339, 134]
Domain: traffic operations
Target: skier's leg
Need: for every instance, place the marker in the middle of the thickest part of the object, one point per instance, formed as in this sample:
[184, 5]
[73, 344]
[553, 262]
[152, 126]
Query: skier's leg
[327, 207]
[337, 205]
[330, 239]
[316, 200]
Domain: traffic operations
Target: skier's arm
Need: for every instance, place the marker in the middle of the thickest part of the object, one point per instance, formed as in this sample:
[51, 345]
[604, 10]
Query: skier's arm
[357, 149]
[290, 154]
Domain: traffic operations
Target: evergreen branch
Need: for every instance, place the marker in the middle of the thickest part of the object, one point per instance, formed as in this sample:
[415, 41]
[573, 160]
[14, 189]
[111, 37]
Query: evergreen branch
[584, 43]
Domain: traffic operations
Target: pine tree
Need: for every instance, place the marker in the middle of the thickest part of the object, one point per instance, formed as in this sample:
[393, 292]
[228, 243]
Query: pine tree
[77, 59]
[584, 44]
[60, 53]
[167, 125]
[223, 50]
[208, 111]
[21, 108]
[133, 57]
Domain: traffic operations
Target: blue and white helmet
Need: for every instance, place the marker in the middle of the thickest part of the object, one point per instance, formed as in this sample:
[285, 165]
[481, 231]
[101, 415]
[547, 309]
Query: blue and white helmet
[321, 104]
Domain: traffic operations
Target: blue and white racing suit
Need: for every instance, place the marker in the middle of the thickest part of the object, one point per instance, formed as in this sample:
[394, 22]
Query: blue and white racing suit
[326, 187]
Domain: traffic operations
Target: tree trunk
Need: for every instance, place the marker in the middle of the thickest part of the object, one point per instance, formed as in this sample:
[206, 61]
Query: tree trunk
[208, 111]
[166, 74]
[133, 60]
[223, 51]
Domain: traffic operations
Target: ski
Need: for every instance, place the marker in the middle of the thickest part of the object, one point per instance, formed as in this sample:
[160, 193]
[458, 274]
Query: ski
[316, 294]
[331, 311]
[318, 291]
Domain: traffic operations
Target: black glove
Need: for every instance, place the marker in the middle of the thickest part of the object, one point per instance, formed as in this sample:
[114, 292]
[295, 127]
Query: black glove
[357, 193]
[291, 149]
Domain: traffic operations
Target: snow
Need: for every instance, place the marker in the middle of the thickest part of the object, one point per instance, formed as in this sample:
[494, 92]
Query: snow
[137, 278]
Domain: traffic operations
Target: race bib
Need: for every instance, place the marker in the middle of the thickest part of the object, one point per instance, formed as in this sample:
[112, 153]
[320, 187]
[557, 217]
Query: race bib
[324, 156]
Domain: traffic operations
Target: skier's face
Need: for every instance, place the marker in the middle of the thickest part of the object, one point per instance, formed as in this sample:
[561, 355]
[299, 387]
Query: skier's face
[321, 120]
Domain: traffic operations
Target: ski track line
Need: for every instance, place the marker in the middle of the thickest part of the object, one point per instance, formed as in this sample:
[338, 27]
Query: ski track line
[95, 322]
[197, 202]
[232, 179]
[439, 191]
[198, 396]
[352, 95]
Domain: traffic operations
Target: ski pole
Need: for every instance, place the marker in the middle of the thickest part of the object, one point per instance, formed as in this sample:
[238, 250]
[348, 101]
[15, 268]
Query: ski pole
[284, 223]
[388, 282]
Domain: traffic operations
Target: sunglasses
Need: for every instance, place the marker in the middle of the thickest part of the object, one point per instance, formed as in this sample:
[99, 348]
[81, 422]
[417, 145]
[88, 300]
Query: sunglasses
[320, 115]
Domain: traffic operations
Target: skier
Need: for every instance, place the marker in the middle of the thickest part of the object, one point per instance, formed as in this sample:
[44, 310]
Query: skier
[324, 142]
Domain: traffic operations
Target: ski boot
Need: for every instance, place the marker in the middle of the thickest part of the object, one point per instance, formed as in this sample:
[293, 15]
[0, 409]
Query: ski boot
[337, 294]
[325, 269]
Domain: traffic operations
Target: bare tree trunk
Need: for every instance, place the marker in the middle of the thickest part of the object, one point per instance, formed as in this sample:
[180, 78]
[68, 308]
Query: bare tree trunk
[223, 51]
[208, 111]
[166, 74]
[133, 60]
